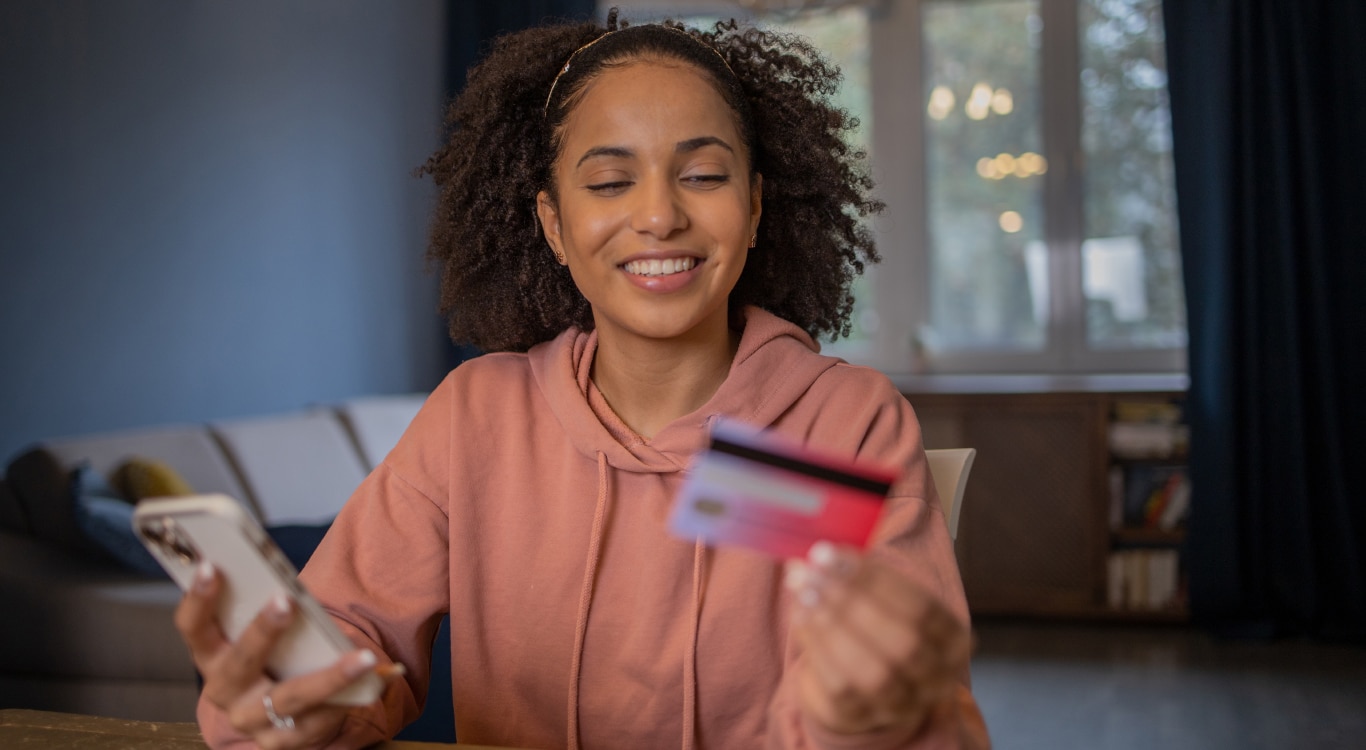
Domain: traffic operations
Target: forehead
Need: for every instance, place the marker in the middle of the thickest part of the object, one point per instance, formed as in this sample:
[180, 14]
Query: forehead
[646, 101]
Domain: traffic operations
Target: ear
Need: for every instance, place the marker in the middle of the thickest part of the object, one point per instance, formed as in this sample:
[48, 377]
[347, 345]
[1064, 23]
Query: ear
[549, 217]
[756, 202]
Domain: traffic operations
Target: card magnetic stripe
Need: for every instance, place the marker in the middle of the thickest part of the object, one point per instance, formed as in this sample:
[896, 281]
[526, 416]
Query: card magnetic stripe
[798, 466]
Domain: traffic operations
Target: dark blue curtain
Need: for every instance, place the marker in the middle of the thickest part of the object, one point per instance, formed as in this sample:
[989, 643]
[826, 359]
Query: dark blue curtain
[1269, 124]
[471, 25]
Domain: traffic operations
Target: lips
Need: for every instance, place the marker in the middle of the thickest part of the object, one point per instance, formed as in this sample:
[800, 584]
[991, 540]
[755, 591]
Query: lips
[660, 273]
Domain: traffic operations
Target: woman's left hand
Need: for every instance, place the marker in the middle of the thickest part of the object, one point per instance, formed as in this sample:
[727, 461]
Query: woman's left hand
[879, 651]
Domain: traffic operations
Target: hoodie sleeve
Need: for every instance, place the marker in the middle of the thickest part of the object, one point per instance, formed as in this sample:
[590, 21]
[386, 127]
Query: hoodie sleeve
[912, 537]
[382, 573]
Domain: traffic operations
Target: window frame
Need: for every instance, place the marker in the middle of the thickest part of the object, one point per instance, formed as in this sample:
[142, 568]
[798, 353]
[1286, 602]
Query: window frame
[898, 167]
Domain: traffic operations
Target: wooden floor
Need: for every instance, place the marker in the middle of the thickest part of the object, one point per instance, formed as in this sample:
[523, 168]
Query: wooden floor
[1048, 686]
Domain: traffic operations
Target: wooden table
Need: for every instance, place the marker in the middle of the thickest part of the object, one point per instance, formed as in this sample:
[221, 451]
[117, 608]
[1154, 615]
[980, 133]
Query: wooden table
[45, 729]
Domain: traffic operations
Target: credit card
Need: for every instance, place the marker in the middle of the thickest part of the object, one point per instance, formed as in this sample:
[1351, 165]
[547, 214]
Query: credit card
[760, 491]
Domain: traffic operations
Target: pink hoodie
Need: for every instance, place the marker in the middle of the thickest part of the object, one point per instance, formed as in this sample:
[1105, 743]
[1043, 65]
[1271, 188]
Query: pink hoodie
[519, 502]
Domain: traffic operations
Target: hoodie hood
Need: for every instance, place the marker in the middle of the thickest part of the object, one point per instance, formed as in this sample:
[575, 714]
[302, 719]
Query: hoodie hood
[773, 367]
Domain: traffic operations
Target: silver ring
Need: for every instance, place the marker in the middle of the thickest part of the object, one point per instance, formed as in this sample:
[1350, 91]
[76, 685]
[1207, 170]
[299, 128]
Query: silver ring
[276, 720]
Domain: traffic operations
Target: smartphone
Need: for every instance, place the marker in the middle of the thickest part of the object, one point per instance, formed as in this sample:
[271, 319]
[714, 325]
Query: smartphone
[182, 532]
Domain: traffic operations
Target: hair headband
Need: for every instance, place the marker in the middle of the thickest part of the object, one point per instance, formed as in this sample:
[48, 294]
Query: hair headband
[545, 111]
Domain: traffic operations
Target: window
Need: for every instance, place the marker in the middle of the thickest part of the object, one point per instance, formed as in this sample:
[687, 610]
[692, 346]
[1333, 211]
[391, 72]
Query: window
[1023, 148]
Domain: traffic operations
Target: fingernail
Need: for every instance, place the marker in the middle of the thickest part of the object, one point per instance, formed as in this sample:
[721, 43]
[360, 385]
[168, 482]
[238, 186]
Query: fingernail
[830, 561]
[363, 662]
[203, 577]
[279, 608]
[822, 554]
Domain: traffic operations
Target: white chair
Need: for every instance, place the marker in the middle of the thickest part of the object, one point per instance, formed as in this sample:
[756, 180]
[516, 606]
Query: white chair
[949, 468]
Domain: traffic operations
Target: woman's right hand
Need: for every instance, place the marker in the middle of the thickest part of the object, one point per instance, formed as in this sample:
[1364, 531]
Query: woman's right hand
[235, 679]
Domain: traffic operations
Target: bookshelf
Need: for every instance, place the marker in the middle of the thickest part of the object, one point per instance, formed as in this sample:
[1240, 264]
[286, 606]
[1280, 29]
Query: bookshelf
[1039, 526]
[1149, 483]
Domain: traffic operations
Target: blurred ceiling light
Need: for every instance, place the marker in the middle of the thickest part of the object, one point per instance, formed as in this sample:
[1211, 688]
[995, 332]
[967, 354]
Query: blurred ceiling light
[1004, 165]
[1002, 102]
[1011, 222]
[978, 104]
[941, 102]
[986, 167]
[1033, 163]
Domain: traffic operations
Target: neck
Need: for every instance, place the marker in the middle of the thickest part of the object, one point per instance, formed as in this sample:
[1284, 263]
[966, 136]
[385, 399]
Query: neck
[650, 383]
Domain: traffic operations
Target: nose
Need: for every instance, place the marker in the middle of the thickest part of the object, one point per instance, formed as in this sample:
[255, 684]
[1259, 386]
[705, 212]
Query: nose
[657, 208]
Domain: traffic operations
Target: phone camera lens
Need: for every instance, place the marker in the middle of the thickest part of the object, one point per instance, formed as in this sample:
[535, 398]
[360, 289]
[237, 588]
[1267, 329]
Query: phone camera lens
[171, 540]
[184, 551]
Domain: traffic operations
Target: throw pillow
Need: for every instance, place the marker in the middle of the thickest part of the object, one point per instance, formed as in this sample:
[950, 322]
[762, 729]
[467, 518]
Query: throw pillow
[107, 520]
[139, 478]
[43, 488]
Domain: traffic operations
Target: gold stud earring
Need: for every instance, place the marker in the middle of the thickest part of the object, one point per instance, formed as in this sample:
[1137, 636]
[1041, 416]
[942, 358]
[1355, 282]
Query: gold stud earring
[559, 257]
[754, 239]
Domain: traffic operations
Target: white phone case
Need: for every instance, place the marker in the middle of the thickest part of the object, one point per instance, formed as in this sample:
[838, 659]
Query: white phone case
[180, 532]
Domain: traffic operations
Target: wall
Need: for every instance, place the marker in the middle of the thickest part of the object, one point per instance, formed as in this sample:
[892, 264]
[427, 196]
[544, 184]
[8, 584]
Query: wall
[208, 209]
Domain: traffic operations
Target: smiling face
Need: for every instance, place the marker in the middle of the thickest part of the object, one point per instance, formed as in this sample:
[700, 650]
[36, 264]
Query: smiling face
[655, 205]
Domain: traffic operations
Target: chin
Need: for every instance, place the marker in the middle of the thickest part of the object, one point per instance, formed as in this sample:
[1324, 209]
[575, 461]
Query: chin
[664, 325]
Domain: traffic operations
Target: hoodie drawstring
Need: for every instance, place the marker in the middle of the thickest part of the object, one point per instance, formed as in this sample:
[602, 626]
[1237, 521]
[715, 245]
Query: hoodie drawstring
[690, 657]
[590, 575]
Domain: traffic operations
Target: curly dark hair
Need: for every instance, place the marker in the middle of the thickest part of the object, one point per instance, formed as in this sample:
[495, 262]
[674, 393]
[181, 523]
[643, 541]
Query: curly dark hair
[501, 290]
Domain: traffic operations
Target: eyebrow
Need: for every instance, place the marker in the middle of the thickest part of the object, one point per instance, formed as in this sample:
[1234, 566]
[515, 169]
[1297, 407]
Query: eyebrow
[692, 144]
[683, 147]
[616, 151]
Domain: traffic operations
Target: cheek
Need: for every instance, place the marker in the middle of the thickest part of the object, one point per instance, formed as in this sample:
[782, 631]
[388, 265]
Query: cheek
[584, 229]
[739, 222]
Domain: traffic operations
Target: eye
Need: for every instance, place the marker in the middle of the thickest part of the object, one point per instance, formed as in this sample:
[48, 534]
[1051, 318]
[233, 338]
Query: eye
[707, 180]
[614, 187]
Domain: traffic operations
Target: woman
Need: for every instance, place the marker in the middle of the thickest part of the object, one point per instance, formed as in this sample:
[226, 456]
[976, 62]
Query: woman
[647, 225]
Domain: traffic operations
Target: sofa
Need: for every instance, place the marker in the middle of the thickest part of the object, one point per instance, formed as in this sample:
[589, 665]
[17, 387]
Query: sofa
[84, 633]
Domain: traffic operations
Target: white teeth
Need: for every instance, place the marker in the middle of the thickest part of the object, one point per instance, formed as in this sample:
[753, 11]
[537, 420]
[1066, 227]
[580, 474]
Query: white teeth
[660, 267]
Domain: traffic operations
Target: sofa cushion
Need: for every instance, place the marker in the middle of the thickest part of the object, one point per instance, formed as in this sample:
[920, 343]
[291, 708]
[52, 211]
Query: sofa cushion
[377, 422]
[106, 518]
[300, 468]
[189, 449]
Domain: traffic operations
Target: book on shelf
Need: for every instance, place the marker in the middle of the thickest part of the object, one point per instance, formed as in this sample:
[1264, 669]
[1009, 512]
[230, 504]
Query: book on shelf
[1148, 412]
[1149, 483]
[1143, 580]
[1148, 430]
[1152, 496]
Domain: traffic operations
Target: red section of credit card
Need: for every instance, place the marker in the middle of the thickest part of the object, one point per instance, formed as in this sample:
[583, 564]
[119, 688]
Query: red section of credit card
[763, 492]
